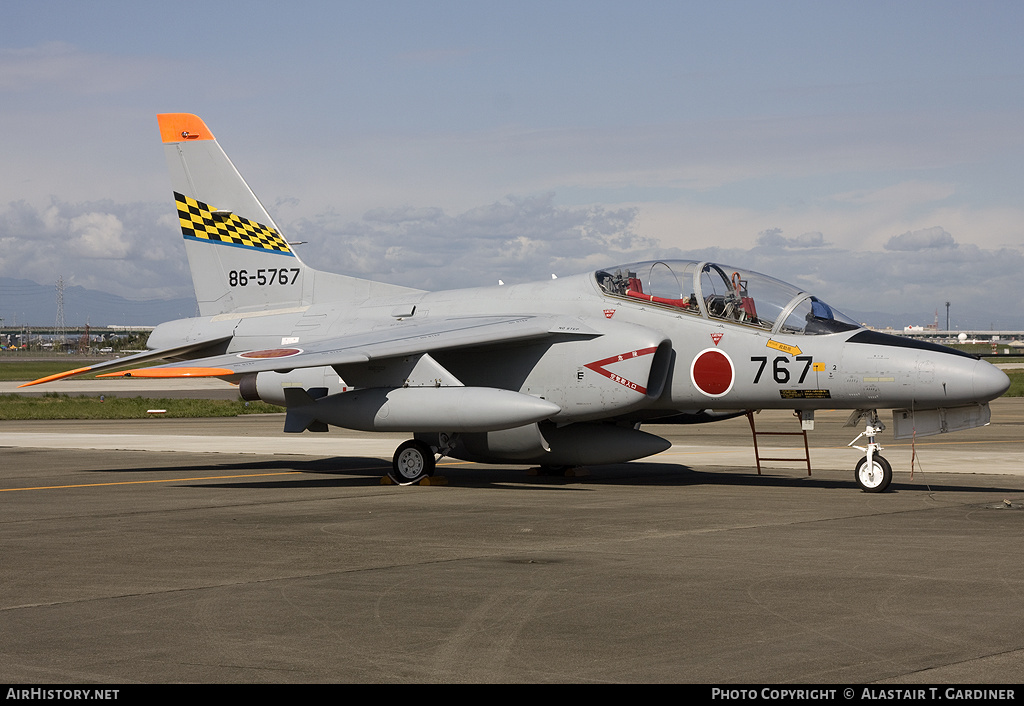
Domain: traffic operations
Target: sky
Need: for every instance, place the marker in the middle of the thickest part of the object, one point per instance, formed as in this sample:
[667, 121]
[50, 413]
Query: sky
[871, 153]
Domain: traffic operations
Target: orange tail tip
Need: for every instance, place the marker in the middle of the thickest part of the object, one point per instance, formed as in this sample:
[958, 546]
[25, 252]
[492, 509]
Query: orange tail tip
[182, 127]
[58, 376]
[170, 373]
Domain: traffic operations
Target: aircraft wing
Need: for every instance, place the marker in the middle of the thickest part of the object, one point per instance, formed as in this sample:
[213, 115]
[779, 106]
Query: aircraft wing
[389, 341]
[163, 353]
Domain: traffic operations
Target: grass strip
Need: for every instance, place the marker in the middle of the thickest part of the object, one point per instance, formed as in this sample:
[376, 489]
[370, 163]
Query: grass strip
[59, 406]
[13, 370]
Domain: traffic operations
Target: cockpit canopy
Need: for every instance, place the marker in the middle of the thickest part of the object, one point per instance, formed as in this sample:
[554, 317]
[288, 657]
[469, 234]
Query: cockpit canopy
[725, 293]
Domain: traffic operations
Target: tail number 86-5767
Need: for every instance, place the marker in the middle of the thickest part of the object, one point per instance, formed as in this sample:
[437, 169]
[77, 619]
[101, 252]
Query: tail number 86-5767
[263, 278]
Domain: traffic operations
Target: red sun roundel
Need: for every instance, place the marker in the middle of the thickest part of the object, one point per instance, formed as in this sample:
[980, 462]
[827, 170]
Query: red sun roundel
[712, 372]
[271, 353]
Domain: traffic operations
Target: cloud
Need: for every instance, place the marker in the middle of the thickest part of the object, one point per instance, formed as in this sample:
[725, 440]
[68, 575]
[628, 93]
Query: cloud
[900, 286]
[516, 239]
[132, 250]
[403, 215]
[924, 239]
[98, 235]
[773, 238]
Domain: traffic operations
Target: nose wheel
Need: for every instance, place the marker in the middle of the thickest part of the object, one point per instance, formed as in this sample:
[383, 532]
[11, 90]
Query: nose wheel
[873, 476]
[413, 461]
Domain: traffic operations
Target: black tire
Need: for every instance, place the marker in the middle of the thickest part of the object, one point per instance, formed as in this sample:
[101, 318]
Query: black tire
[874, 480]
[413, 461]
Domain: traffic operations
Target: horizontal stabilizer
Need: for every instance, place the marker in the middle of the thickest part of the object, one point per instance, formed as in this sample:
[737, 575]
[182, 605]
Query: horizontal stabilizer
[170, 373]
[174, 352]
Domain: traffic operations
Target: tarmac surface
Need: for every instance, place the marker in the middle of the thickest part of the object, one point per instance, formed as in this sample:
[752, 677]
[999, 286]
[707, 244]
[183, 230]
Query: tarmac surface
[164, 550]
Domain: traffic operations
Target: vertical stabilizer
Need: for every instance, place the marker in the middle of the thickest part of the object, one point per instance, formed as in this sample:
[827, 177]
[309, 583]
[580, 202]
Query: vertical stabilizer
[239, 260]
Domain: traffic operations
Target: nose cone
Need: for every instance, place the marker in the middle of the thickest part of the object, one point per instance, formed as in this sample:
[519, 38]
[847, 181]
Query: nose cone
[989, 381]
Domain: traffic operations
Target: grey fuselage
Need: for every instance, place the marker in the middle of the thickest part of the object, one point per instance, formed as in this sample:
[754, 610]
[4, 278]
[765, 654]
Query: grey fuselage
[699, 362]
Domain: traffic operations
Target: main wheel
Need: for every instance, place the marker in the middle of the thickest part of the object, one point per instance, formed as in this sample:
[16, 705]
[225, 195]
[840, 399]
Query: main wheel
[874, 478]
[413, 462]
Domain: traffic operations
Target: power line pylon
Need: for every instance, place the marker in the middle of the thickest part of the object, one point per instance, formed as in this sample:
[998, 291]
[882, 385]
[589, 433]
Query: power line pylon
[60, 325]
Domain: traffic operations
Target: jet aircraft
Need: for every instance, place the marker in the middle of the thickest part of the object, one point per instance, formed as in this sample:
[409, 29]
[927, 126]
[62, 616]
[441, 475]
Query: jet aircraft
[558, 373]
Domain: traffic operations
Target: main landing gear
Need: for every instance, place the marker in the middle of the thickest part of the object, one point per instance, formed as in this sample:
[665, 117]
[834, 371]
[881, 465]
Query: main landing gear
[415, 460]
[872, 473]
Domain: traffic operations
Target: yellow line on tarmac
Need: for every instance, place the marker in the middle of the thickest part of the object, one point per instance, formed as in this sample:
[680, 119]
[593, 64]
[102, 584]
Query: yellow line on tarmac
[178, 480]
[139, 482]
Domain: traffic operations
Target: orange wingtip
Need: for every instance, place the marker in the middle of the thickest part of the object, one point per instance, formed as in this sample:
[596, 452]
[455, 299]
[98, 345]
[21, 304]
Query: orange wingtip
[170, 373]
[182, 127]
[58, 376]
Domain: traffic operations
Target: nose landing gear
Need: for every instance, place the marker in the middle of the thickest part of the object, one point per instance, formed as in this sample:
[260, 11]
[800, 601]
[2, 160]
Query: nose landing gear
[873, 473]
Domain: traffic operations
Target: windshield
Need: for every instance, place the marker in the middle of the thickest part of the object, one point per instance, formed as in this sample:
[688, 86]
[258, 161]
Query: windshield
[722, 292]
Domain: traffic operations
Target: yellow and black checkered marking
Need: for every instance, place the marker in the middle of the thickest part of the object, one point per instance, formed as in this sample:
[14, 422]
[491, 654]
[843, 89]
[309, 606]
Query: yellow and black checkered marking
[198, 221]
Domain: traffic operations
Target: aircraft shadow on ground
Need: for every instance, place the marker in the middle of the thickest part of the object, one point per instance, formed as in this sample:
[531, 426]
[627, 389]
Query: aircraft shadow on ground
[351, 471]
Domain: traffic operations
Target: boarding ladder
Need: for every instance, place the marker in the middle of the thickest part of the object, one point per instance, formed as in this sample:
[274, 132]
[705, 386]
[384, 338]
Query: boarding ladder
[757, 454]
